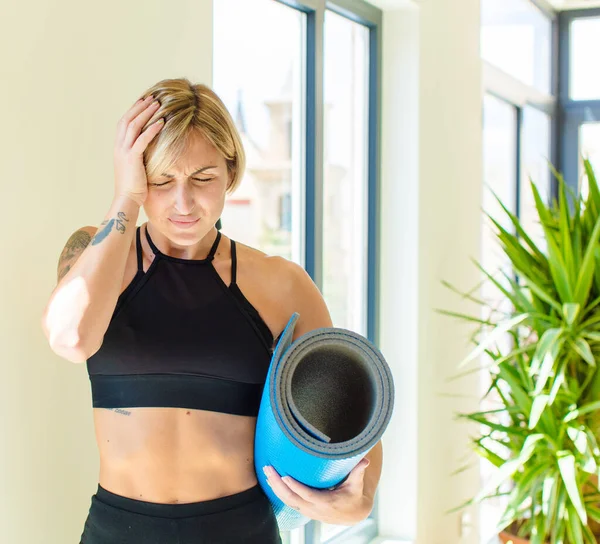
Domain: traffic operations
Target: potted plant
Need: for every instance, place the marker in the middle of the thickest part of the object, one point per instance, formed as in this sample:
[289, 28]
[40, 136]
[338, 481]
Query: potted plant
[542, 428]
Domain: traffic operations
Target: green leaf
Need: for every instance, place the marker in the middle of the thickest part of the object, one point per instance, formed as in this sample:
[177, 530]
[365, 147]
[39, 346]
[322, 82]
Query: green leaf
[513, 249]
[584, 280]
[539, 405]
[488, 454]
[570, 312]
[566, 466]
[586, 409]
[589, 536]
[509, 430]
[548, 365]
[548, 490]
[594, 336]
[499, 477]
[593, 512]
[565, 235]
[584, 351]
[539, 291]
[574, 526]
[559, 379]
[579, 438]
[520, 231]
[529, 447]
[558, 270]
[467, 295]
[547, 343]
[493, 337]
[465, 317]
[541, 207]
[517, 392]
[594, 192]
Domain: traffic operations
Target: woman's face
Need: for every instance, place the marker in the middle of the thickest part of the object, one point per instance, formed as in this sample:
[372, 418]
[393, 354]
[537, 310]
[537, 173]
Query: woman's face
[193, 190]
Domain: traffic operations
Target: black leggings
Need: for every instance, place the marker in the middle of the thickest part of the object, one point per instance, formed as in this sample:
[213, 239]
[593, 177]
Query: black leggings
[243, 517]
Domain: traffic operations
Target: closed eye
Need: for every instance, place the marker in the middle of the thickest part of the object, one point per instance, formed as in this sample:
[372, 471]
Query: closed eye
[166, 182]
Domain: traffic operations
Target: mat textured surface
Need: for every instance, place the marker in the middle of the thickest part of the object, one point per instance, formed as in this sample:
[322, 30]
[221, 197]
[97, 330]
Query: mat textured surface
[327, 400]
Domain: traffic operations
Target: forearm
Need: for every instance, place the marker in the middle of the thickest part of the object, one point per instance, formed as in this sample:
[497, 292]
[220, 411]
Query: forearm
[80, 307]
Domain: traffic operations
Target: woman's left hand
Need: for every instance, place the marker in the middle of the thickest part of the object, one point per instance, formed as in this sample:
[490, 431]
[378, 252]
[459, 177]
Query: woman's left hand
[345, 505]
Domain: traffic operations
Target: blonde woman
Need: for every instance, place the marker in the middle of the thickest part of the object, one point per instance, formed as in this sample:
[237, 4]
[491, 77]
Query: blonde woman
[177, 325]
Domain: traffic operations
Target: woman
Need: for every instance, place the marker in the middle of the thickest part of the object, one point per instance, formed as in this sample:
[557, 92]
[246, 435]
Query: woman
[177, 325]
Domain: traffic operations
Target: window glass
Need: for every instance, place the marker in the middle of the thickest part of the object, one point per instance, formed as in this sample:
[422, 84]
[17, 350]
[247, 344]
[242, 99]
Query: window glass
[345, 190]
[266, 101]
[584, 79]
[516, 37]
[589, 147]
[535, 166]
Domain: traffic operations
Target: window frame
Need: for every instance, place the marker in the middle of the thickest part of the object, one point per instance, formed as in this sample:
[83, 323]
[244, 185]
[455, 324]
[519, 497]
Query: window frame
[520, 95]
[371, 17]
[573, 113]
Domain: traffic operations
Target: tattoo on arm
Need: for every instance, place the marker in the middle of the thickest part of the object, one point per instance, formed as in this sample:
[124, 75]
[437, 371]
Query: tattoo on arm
[75, 245]
[62, 273]
[80, 239]
[108, 226]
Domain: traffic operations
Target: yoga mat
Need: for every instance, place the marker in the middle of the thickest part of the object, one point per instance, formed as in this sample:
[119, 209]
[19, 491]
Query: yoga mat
[327, 400]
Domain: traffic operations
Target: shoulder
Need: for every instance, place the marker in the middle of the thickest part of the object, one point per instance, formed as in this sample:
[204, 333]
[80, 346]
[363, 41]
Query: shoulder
[290, 286]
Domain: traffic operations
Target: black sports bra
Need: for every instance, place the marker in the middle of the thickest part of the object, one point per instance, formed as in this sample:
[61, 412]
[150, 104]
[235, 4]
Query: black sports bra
[180, 337]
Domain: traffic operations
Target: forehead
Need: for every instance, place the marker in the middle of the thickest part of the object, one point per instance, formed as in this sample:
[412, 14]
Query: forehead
[198, 152]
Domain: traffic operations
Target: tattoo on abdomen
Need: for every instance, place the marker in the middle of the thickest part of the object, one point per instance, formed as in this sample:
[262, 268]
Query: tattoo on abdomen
[118, 223]
[120, 411]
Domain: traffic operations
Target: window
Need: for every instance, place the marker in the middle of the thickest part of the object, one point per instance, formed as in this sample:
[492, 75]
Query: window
[589, 148]
[516, 37]
[346, 176]
[585, 41]
[536, 146]
[580, 95]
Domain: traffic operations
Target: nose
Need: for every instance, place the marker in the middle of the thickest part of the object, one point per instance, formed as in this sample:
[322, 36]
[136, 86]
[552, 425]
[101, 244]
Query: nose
[184, 199]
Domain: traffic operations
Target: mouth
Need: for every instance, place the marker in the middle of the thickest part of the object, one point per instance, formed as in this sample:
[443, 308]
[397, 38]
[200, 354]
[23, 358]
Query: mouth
[184, 224]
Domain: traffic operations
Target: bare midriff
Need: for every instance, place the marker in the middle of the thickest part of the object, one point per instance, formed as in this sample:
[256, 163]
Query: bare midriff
[174, 455]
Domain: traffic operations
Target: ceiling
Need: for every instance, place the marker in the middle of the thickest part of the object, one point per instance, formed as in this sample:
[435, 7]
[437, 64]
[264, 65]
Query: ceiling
[574, 4]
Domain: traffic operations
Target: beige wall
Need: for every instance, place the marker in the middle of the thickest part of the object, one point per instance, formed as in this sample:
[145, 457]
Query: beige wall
[70, 69]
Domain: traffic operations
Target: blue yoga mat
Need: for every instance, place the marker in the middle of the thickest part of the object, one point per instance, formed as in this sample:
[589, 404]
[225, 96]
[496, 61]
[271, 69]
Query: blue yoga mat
[327, 400]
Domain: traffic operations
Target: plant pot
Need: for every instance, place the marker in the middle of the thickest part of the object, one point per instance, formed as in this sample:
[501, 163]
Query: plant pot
[507, 538]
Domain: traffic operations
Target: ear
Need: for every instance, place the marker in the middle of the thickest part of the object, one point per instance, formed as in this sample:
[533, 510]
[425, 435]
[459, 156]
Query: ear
[230, 176]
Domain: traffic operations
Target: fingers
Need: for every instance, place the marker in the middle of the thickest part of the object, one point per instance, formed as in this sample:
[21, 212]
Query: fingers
[146, 137]
[131, 114]
[135, 125]
[356, 476]
[283, 491]
[307, 493]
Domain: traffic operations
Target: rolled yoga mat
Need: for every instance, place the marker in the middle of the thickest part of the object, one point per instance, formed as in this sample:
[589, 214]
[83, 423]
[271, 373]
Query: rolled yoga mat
[327, 400]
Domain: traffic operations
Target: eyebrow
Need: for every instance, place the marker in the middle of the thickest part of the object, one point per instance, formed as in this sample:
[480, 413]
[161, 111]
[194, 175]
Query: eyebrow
[193, 173]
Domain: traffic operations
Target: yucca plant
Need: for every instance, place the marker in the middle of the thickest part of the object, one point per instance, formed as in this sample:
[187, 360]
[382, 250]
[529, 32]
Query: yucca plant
[543, 437]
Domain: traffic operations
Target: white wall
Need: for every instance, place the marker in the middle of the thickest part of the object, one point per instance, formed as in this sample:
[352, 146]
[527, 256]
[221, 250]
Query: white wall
[430, 223]
[70, 69]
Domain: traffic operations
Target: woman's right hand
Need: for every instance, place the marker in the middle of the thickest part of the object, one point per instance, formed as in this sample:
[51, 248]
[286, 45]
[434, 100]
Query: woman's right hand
[130, 172]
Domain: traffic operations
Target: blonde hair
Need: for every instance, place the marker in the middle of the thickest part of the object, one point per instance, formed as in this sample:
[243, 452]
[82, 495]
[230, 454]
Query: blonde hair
[185, 108]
